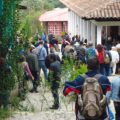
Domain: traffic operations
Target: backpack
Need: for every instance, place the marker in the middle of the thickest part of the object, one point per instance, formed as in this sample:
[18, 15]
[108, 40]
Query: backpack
[92, 102]
[91, 53]
[81, 54]
[106, 58]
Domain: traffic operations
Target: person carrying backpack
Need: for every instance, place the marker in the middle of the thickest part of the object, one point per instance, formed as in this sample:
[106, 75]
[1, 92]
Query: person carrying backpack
[90, 51]
[107, 61]
[90, 89]
[81, 53]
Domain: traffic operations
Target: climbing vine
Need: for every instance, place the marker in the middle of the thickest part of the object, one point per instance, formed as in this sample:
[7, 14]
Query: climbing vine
[9, 22]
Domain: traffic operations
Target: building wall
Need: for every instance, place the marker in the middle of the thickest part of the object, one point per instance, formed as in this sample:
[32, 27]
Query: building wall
[89, 29]
[57, 27]
[78, 26]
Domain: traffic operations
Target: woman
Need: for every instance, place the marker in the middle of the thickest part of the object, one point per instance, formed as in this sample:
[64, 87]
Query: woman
[100, 56]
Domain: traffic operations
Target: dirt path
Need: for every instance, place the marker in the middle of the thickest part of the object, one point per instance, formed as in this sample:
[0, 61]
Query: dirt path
[37, 107]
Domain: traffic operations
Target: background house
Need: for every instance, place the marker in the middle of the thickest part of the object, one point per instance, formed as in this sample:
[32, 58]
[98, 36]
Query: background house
[93, 19]
[55, 21]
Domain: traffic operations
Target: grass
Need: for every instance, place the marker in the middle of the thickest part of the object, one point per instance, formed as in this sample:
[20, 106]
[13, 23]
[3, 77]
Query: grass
[5, 113]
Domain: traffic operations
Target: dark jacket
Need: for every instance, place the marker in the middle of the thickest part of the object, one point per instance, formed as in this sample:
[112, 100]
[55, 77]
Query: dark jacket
[32, 61]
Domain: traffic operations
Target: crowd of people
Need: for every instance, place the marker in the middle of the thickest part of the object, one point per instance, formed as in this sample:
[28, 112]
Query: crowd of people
[99, 60]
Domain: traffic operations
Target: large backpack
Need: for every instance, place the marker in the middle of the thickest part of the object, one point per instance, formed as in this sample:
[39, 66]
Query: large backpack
[92, 102]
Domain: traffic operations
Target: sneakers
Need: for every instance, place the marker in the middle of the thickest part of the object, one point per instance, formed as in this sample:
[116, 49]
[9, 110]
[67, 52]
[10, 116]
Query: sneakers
[54, 107]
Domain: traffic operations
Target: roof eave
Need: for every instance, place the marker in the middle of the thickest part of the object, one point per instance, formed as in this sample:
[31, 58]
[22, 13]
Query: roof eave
[102, 19]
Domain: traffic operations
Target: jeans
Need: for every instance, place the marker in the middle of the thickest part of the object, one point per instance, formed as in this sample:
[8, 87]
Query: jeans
[102, 68]
[43, 67]
[107, 69]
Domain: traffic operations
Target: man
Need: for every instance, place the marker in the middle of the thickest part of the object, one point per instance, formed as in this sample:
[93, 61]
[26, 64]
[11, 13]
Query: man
[90, 51]
[81, 53]
[42, 53]
[77, 85]
[54, 78]
[31, 58]
[43, 37]
[115, 96]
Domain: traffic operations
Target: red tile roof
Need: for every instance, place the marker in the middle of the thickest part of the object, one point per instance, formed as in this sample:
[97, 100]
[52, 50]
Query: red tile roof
[94, 8]
[58, 14]
[112, 10]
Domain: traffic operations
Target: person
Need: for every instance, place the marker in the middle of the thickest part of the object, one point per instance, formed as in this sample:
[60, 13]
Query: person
[100, 55]
[108, 61]
[26, 68]
[50, 37]
[65, 42]
[81, 53]
[31, 58]
[115, 96]
[24, 74]
[54, 78]
[90, 51]
[115, 59]
[43, 37]
[118, 64]
[41, 55]
[76, 85]
[46, 47]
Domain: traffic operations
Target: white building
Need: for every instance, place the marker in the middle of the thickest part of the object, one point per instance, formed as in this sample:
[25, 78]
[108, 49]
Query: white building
[91, 18]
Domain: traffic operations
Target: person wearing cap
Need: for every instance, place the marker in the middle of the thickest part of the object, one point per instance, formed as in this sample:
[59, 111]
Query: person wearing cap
[31, 58]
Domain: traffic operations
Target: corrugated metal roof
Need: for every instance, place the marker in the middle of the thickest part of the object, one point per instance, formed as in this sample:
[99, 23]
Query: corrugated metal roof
[94, 8]
[58, 14]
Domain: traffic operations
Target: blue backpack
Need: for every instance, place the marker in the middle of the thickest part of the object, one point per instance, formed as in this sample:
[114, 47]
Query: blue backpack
[91, 53]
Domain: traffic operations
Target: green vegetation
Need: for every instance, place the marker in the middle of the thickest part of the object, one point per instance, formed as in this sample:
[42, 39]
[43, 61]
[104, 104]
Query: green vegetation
[8, 26]
[40, 5]
[29, 18]
[70, 70]
[14, 24]
[5, 113]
